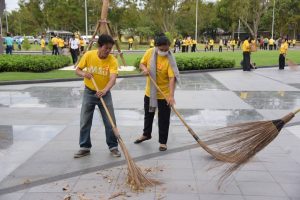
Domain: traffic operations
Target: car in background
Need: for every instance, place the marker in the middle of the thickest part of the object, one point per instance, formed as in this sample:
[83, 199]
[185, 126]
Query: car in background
[31, 39]
[16, 38]
[87, 38]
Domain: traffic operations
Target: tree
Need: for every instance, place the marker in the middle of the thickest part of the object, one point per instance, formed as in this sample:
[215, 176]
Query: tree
[2, 7]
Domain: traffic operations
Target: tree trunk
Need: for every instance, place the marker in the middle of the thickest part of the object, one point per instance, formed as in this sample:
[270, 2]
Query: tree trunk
[104, 14]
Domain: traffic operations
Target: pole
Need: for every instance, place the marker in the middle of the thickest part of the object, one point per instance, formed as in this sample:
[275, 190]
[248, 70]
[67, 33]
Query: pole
[6, 21]
[273, 19]
[86, 22]
[1, 33]
[196, 27]
[104, 14]
[239, 29]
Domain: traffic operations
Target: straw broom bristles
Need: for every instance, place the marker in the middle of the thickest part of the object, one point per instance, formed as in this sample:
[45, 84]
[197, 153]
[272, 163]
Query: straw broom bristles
[236, 144]
[135, 177]
[239, 143]
[292, 64]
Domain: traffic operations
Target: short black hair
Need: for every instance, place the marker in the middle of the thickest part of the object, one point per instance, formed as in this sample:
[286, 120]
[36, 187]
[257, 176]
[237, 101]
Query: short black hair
[105, 39]
[162, 40]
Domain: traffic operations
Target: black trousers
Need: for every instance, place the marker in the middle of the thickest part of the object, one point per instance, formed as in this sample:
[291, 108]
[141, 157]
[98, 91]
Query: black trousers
[246, 61]
[281, 61]
[183, 49]
[220, 48]
[211, 47]
[194, 48]
[74, 54]
[164, 112]
[55, 50]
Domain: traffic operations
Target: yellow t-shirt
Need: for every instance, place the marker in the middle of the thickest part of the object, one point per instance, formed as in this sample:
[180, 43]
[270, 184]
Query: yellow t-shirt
[130, 40]
[232, 42]
[246, 46]
[271, 41]
[163, 73]
[100, 68]
[81, 42]
[183, 42]
[54, 41]
[61, 42]
[294, 41]
[43, 43]
[211, 42]
[283, 48]
[194, 42]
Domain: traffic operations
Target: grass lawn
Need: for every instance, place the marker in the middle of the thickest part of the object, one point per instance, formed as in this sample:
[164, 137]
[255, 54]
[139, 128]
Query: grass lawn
[261, 58]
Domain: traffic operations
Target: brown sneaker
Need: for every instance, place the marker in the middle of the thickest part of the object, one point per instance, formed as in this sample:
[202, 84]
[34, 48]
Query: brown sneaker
[115, 153]
[82, 153]
[162, 147]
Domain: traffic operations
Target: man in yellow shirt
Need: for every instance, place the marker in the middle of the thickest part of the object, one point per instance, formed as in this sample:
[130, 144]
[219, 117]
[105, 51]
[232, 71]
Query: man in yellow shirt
[211, 44]
[82, 44]
[160, 64]
[246, 54]
[271, 44]
[60, 44]
[43, 45]
[294, 43]
[130, 42]
[232, 44]
[282, 53]
[103, 67]
[54, 41]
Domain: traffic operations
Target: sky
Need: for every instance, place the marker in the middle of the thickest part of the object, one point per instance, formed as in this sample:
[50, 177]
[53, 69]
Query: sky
[11, 4]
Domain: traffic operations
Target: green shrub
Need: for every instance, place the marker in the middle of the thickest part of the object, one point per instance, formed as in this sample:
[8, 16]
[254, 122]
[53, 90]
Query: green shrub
[25, 44]
[32, 63]
[198, 63]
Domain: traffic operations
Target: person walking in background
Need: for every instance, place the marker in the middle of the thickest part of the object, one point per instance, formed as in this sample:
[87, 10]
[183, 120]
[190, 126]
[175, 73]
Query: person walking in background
[183, 45]
[19, 42]
[261, 43]
[206, 46]
[177, 46]
[60, 44]
[82, 44]
[74, 48]
[232, 44]
[221, 45]
[54, 41]
[239, 43]
[160, 64]
[246, 54]
[266, 41]
[282, 54]
[271, 44]
[294, 42]
[194, 44]
[211, 44]
[289, 42]
[43, 45]
[9, 43]
[130, 43]
[276, 44]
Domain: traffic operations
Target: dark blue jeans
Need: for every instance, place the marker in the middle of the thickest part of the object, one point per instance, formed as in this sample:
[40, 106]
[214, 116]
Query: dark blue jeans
[90, 100]
[9, 49]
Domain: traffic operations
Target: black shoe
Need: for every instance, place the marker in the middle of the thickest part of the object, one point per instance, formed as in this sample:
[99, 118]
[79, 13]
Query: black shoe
[140, 140]
[82, 153]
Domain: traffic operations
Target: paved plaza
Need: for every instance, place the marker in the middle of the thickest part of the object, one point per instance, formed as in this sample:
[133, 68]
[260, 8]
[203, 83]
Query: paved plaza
[39, 131]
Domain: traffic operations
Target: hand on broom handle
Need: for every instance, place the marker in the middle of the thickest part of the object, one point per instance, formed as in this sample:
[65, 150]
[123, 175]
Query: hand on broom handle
[115, 130]
[202, 144]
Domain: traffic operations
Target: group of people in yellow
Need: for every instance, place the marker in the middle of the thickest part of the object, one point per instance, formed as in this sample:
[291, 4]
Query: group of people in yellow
[99, 67]
[58, 43]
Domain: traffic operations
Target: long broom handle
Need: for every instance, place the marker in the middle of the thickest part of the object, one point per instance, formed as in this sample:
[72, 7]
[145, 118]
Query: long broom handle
[115, 130]
[191, 131]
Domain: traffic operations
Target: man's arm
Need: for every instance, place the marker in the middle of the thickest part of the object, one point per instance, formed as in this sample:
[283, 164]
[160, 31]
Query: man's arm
[83, 74]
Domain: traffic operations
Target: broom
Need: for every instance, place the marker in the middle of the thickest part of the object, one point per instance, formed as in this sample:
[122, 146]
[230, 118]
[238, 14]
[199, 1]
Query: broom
[291, 64]
[238, 143]
[135, 177]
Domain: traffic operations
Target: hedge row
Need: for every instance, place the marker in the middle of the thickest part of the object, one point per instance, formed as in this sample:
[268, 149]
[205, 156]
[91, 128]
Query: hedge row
[32, 63]
[198, 63]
